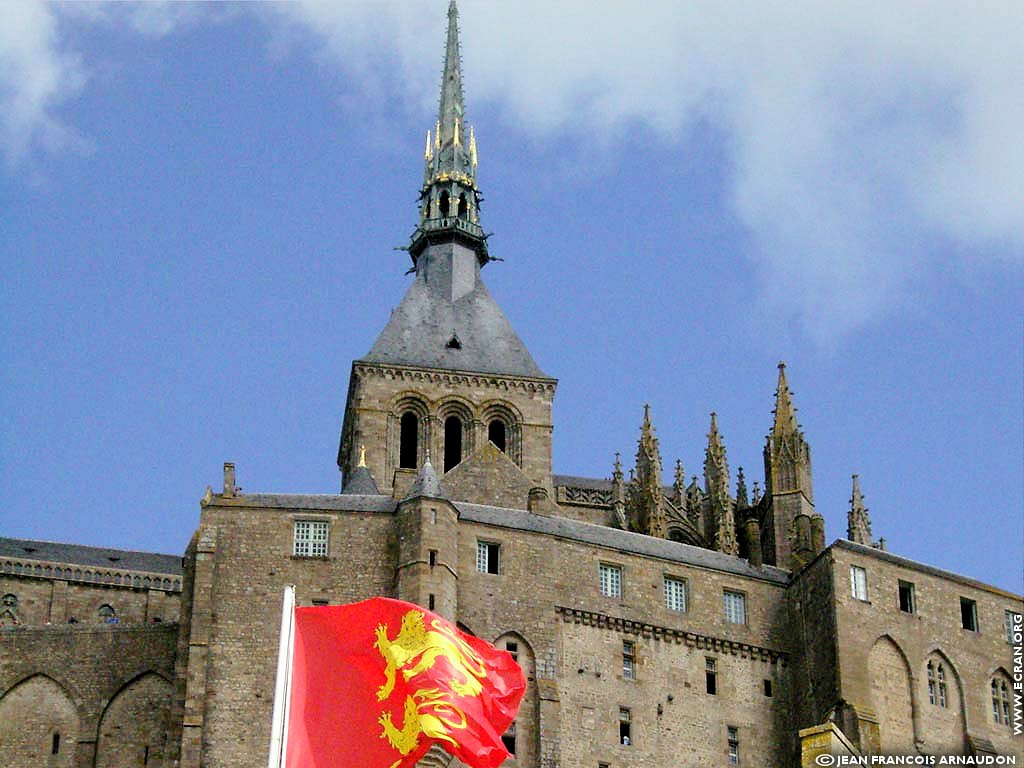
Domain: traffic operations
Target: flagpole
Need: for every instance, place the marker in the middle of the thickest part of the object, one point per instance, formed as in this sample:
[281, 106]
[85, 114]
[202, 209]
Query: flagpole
[282, 685]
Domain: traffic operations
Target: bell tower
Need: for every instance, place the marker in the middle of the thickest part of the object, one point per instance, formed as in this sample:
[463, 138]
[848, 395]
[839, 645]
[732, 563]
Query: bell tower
[448, 375]
[792, 527]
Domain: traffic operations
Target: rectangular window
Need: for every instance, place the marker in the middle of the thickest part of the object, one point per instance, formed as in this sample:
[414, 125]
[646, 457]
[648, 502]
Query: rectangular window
[433, 557]
[734, 605]
[675, 594]
[310, 538]
[968, 614]
[859, 582]
[907, 602]
[430, 602]
[768, 688]
[1012, 620]
[733, 734]
[625, 727]
[509, 739]
[628, 660]
[320, 602]
[611, 580]
[487, 557]
[711, 676]
[513, 650]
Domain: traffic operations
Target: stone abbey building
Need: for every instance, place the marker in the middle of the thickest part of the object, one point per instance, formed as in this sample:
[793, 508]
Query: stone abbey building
[695, 624]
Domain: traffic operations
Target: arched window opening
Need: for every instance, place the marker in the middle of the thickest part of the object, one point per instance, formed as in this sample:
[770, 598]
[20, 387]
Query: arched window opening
[408, 441]
[463, 206]
[675, 535]
[496, 433]
[9, 611]
[107, 614]
[443, 205]
[452, 442]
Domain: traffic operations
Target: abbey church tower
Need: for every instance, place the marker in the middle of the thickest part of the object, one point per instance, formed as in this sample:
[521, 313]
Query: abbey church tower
[448, 375]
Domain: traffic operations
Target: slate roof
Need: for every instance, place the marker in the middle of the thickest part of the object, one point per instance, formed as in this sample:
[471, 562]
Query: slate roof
[518, 519]
[594, 483]
[421, 326]
[906, 562]
[613, 538]
[361, 482]
[311, 501]
[427, 484]
[574, 481]
[77, 554]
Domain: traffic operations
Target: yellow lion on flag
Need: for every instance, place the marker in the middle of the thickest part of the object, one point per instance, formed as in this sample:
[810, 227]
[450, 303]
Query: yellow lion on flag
[430, 711]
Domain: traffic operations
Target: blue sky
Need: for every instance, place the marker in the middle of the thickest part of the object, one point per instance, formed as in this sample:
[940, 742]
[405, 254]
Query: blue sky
[200, 202]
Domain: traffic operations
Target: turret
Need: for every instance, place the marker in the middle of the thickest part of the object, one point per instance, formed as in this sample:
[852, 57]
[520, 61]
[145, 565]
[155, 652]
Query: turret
[787, 470]
[428, 545]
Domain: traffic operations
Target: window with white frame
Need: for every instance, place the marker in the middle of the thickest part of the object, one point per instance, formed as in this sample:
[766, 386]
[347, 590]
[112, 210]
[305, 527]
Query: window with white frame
[1000, 701]
[611, 580]
[628, 660]
[859, 582]
[487, 557]
[1012, 621]
[734, 607]
[675, 594]
[733, 735]
[310, 538]
[937, 684]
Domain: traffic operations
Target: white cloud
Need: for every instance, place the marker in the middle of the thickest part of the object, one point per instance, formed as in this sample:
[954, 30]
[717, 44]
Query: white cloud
[35, 77]
[858, 131]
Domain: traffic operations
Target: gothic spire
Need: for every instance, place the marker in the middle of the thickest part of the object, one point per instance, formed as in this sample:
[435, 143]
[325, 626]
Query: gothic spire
[858, 523]
[450, 111]
[785, 413]
[449, 199]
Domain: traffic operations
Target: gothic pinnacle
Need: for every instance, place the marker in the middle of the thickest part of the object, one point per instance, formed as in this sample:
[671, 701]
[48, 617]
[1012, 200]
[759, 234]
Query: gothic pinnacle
[741, 490]
[858, 523]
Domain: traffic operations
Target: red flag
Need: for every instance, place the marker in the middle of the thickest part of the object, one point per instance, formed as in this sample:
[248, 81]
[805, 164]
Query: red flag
[375, 683]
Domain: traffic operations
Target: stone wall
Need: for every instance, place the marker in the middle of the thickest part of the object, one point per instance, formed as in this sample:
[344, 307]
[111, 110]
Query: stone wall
[84, 695]
[243, 560]
[45, 600]
[884, 652]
